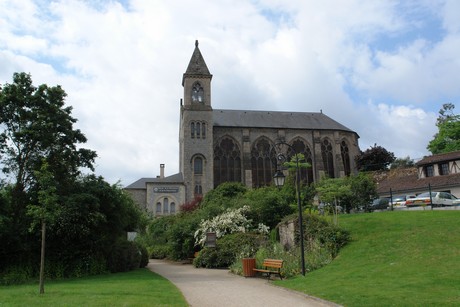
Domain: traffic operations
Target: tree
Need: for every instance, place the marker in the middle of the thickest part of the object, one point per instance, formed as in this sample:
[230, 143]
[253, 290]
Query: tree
[44, 212]
[34, 125]
[448, 137]
[402, 163]
[353, 192]
[374, 159]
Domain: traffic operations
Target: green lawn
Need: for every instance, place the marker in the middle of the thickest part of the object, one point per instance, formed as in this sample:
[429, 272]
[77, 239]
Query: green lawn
[136, 288]
[395, 259]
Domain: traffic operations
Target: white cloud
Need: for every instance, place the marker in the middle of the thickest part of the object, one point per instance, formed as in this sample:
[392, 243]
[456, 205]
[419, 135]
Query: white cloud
[122, 66]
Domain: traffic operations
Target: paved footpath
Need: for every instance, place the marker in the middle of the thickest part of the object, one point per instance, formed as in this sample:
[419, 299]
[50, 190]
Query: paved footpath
[210, 287]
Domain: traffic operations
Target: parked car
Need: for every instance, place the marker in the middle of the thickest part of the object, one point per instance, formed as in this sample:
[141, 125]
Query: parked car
[380, 204]
[400, 201]
[439, 199]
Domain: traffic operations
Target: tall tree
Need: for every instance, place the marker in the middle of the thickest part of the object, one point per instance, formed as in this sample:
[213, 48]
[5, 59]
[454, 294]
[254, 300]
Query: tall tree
[44, 212]
[448, 137]
[35, 124]
[374, 158]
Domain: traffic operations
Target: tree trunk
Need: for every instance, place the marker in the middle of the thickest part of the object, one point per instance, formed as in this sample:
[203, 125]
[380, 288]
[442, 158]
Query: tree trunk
[42, 259]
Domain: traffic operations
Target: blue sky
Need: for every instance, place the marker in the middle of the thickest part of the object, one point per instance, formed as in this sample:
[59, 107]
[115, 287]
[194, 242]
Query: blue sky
[382, 68]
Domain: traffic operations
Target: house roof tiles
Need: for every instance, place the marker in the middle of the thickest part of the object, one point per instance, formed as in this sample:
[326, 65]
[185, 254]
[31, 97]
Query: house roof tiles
[455, 155]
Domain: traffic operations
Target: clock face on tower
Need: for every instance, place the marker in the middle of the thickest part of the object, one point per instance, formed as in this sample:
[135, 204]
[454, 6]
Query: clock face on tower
[197, 93]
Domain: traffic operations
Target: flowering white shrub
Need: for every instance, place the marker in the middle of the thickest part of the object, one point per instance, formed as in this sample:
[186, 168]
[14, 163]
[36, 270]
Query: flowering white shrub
[231, 221]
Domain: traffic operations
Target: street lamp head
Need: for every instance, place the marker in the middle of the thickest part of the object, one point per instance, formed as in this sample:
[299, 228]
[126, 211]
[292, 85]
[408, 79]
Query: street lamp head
[279, 179]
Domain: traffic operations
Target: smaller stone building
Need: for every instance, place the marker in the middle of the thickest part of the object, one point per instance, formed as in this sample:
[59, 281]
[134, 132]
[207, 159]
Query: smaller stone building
[160, 195]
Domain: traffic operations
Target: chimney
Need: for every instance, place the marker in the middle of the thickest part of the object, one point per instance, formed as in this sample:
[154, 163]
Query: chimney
[162, 171]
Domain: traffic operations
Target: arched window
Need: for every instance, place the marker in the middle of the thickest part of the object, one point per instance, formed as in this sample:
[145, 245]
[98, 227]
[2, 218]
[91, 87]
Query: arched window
[227, 162]
[197, 93]
[198, 190]
[198, 130]
[261, 163]
[306, 174]
[345, 153]
[173, 208]
[158, 207]
[328, 158]
[165, 205]
[198, 166]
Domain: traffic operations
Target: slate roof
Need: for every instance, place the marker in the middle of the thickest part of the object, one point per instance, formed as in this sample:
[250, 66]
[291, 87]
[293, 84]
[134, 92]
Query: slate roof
[270, 119]
[455, 155]
[142, 183]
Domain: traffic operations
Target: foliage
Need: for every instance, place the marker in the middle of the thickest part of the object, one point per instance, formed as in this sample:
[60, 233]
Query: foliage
[230, 248]
[44, 212]
[180, 236]
[448, 137]
[224, 194]
[124, 256]
[332, 189]
[41, 151]
[159, 251]
[374, 158]
[353, 192]
[319, 233]
[402, 163]
[363, 188]
[297, 161]
[191, 205]
[231, 221]
[91, 218]
[268, 206]
[37, 125]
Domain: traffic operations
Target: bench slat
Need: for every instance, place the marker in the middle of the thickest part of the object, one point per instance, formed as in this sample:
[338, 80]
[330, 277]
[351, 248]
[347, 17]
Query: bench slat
[271, 263]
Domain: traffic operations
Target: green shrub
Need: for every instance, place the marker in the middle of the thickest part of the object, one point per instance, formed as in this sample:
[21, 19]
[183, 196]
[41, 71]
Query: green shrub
[319, 231]
[158, 251]
[125, 256]
[14, 275]
[144, 255]
[230, 248]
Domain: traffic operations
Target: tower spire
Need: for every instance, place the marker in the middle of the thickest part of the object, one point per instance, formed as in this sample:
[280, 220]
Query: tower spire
[197, 66]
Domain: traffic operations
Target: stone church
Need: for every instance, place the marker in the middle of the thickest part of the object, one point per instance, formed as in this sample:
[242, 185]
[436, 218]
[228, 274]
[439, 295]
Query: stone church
[217, 145]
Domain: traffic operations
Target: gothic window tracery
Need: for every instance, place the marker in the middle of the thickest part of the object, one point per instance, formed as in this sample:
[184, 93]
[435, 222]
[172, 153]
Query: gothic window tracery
[328, 158]
[262, 158]
[306, 174]
[227, 162]
[197, 93]
[345, 153]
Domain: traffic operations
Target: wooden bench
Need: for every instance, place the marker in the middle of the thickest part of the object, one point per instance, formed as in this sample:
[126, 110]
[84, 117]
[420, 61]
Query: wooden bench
[192, 258]
[271, 266]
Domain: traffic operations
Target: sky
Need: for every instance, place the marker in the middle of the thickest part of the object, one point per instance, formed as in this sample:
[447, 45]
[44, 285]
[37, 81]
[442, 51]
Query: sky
[382, 68]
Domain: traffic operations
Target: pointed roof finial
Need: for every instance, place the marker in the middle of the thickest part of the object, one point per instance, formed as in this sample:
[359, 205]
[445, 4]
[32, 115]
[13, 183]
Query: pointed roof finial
[197, 65]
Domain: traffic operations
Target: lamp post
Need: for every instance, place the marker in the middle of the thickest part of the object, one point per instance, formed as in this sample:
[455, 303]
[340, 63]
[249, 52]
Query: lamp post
[279, 179]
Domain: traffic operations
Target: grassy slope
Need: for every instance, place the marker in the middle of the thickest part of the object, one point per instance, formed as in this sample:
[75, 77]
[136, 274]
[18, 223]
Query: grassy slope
[136, 288]
[395, 259]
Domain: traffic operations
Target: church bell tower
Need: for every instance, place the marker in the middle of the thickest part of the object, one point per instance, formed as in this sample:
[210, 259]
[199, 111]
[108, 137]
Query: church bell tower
[196, 128]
